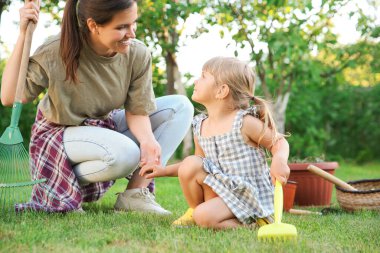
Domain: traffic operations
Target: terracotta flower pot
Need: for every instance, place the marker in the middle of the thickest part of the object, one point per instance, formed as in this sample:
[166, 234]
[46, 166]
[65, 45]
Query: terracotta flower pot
[312, 190]
[289, 193]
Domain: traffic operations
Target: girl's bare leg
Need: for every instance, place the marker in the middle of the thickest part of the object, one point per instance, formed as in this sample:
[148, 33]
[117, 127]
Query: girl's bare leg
[214, 213]
[191, 176]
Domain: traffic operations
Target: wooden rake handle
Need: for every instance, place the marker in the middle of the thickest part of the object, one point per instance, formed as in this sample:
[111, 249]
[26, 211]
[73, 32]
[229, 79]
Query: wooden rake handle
[330, 178]
[24, 62]
[303, 212]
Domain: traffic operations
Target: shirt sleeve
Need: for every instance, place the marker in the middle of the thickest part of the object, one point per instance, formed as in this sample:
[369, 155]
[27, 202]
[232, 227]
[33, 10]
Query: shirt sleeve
[36, 80]
[140, 98]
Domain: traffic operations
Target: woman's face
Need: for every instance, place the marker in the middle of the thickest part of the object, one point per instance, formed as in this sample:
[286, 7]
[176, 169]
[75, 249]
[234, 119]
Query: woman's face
[115, 36]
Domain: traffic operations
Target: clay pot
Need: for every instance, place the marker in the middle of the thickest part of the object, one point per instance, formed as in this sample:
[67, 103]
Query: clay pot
[312, 190]
[289, 193]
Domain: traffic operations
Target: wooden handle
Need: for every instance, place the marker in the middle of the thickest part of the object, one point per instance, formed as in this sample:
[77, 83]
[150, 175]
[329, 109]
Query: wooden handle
[24, 62]
[330, 178]
[302, 212]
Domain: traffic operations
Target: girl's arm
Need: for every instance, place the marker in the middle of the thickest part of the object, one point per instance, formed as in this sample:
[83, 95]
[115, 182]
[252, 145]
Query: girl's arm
[251, 131]
[279, 168]
[154, 170]
[198, 151]
[29, 12]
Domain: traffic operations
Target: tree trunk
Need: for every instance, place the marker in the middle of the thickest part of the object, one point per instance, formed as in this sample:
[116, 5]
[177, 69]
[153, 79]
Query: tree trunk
[279, 111]
[174, 82]
[188, 140]
[171, 69]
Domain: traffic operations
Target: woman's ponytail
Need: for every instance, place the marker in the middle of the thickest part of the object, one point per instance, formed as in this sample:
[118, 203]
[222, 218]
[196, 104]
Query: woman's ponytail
[71, 39]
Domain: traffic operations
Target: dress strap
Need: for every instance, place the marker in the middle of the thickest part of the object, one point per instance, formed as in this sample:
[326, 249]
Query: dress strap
[238, 123]
[197, 122]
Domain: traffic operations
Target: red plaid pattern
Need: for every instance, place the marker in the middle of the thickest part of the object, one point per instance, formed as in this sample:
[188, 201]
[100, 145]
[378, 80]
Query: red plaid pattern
[61, 192]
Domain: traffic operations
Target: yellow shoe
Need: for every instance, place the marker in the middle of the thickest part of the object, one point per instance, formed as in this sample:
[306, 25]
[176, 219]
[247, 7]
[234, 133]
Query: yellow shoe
[264, 221]
[185, 220]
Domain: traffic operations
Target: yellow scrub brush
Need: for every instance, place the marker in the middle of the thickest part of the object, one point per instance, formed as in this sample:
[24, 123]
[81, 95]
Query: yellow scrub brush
[277, 230]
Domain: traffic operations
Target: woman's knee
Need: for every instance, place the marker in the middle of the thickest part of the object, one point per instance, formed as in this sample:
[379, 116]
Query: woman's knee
[185, 105]
[180, 104]
[114, 165]
[125, 159]
[190, 167]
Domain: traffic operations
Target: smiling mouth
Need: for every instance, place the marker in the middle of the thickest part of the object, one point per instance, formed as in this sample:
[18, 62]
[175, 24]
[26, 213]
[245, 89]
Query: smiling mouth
[125, 42]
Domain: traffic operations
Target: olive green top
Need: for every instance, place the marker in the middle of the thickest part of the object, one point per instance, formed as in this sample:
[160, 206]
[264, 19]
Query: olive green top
[105, 83]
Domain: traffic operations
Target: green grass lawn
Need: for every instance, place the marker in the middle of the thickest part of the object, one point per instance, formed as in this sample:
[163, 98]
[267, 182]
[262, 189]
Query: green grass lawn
[102, 230]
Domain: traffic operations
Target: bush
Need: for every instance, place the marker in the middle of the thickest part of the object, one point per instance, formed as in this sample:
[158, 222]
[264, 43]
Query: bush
[339, 121]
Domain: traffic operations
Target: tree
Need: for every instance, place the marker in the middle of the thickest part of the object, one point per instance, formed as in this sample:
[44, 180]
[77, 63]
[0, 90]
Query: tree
[283, 38]
[48, 6]
[160, 26]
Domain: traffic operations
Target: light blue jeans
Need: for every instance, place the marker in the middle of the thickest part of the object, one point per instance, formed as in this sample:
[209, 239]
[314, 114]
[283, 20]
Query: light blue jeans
[99, 154]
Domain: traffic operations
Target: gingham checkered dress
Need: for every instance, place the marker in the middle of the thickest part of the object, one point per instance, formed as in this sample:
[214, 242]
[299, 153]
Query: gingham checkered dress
[237, 172]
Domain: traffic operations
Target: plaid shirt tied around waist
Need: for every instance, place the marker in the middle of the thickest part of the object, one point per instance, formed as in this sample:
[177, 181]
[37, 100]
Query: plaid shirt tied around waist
[61, 192]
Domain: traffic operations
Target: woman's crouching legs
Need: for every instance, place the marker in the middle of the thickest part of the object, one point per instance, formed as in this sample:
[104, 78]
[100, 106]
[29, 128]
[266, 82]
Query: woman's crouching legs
[99, 154]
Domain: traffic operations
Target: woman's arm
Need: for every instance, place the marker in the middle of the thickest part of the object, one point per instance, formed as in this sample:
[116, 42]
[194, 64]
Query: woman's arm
[141, 128]
[29, 12]
[251, 130]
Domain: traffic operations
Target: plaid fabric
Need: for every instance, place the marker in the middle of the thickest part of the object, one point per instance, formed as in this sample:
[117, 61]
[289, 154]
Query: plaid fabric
[237, 172]
[61, 192]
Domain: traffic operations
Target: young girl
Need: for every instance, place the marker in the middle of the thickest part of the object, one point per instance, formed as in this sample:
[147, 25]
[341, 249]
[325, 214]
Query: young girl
[227, 183]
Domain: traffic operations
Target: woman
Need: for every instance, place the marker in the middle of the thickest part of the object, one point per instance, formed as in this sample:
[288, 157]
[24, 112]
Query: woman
[79, 142]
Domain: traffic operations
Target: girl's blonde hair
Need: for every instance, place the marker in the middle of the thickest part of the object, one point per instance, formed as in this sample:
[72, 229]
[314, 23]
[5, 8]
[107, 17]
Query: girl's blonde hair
[241, 79]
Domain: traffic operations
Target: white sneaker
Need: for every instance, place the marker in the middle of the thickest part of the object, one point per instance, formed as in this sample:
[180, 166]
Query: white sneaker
[140, 200]
[80, 210]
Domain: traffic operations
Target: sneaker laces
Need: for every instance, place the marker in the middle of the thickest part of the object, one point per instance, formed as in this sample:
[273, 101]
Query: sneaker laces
[145, 192]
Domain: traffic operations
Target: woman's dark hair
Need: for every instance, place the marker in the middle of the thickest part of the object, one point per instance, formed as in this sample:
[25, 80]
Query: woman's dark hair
[74, 31]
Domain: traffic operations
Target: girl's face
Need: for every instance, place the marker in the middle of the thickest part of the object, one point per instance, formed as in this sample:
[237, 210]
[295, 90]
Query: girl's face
[204, 88]
[115, 36]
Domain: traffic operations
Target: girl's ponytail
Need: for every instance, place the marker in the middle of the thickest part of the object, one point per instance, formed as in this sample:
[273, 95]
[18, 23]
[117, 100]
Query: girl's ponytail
[263, 112]
[71, 39]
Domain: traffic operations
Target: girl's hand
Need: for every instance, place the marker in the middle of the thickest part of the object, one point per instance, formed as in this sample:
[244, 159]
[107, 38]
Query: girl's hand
[152, 170]
[150, 153]
[279, 170]
[29, 12]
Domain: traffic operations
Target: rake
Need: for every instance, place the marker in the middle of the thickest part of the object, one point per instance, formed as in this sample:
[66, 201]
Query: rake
[15, 179]
[277, 230]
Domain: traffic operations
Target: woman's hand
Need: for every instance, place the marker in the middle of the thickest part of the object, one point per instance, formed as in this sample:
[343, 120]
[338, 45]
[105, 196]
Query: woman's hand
[152, 170]
[140, 127]
[29, 12]
[150, 152]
